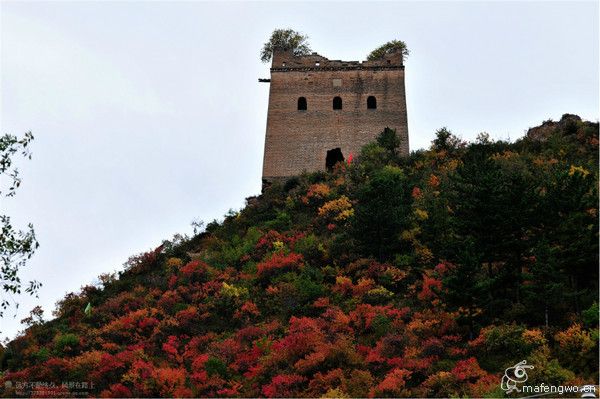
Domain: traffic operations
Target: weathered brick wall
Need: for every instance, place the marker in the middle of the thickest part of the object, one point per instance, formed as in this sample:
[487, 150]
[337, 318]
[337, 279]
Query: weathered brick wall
[299, 140]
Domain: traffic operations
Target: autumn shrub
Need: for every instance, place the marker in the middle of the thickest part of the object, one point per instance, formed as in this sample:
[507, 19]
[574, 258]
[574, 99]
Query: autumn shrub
[169, 380]
[284, 385]
[316, 193]
[393, 384]
[502, 345]
[378, 295]
[84, 364]
[337, 210]
[547, 370]
[194, 271]
[440, 384]
[577, 350]
[116, 391]
[278, 263]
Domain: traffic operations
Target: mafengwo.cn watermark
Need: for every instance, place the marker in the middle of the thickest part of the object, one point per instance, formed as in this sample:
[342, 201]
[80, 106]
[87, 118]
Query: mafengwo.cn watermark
[559, 389]
[514, 379]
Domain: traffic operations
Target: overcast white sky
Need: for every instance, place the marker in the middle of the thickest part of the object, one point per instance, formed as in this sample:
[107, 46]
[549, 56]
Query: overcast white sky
[147, 115]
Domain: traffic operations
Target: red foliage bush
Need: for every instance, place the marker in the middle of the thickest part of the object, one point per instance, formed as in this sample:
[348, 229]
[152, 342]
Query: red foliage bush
[187, 317]
[431, 288]
[393, 383]
[247, 310]
[279, 262]
[468, 370]
[283, 386]
[116, 391]
[171, 348]
[322, 382]
[265, 242]
[303, 334]
[194, 270]
[416, 192]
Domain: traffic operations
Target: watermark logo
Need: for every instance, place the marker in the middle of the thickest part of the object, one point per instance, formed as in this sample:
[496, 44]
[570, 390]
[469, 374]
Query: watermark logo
[514, 375]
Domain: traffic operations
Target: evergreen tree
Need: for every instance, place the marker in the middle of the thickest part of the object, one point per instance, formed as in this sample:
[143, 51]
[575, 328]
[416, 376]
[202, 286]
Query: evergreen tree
[382, 212]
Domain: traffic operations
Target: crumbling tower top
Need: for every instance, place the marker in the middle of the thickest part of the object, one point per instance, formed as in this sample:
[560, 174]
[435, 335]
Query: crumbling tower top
[321, 111]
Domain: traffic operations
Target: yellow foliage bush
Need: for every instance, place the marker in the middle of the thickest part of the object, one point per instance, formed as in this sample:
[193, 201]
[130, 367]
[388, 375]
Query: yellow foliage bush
[231, 291]
[421, 214]
[578, 169]
[340, 209]
[174, 263]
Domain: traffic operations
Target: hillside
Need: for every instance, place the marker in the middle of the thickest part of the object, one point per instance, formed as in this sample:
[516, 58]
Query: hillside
[426, 275]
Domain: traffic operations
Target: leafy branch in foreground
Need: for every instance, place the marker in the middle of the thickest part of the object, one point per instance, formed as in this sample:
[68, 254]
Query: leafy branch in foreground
[16, 246]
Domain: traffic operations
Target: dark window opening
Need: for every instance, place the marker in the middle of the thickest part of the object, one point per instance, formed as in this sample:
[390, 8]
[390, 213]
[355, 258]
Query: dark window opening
[333, 156]
[371, 103]
[337, 103]
[302, 104]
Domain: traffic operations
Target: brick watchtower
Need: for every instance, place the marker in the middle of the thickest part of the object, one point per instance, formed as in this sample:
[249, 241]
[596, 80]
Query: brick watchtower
[321, 111]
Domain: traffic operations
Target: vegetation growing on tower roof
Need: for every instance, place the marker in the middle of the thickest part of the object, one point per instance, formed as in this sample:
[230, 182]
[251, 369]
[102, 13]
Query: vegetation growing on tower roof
[285, 39]
[388, 48]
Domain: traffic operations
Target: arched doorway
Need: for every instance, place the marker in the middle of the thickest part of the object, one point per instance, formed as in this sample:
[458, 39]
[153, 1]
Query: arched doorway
[371, 102]
[337, 103]
[333, 156]
[302, 106]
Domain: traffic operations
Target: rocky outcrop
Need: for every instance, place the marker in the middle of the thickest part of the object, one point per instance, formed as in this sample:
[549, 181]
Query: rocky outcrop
[567, 124]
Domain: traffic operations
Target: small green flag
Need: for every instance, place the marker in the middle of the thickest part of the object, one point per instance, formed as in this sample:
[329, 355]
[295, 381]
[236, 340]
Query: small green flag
[88, 309]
